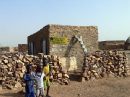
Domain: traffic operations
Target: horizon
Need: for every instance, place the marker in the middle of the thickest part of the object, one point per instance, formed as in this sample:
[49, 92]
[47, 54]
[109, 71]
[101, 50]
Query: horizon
[19, 19]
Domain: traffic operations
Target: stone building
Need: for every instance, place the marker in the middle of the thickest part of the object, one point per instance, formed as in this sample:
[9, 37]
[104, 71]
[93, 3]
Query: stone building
[112, 45]
[57, 40]
[22, 47]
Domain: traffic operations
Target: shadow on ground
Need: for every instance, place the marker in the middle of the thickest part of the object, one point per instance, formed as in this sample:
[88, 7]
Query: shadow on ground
[75, 76]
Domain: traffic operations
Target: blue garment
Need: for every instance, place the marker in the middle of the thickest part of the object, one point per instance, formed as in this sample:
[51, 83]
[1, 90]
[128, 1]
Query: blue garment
[29, 88]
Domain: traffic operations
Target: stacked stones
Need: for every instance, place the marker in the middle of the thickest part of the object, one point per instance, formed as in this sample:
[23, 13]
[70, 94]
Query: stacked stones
[13, 66]
[58, 73]
[105, 64]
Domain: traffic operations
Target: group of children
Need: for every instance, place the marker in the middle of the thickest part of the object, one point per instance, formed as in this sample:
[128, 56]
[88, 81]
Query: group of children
[40, 78]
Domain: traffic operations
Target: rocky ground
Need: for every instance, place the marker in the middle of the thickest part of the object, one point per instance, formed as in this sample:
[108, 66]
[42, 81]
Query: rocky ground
[106, 87]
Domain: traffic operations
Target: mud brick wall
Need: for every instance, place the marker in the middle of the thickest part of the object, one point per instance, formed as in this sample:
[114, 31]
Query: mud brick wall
[88, 33]
[112, 45]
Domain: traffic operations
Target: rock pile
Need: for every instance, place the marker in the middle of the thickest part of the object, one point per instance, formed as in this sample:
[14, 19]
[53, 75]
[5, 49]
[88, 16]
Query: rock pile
[105, 64]
[13, 66]
[59, 73]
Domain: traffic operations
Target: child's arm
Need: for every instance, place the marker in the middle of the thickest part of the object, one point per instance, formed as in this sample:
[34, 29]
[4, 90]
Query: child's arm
[43, 76]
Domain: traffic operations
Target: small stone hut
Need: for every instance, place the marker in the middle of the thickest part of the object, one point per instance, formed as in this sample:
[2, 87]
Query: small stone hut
[56, 40]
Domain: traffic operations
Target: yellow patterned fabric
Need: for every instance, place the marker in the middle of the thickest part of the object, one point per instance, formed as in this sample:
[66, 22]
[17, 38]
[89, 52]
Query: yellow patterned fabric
[46, 70]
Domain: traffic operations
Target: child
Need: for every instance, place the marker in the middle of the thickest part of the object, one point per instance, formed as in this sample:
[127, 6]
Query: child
[46, 70]
[39, 82]
[28, 78]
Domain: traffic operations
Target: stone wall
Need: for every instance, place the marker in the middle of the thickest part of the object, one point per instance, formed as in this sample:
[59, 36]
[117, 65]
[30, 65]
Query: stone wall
[112, 45]
[22, 47]
[8, 49]
[37, 39]
[13, 67]
[4, 49]
[88, 33]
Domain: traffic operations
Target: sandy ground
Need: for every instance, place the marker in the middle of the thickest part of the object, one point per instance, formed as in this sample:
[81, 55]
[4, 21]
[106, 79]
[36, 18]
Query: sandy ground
[106, 87]
[110, 87]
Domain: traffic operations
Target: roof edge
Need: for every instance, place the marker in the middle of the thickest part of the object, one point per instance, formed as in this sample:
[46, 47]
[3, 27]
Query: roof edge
[71, 25]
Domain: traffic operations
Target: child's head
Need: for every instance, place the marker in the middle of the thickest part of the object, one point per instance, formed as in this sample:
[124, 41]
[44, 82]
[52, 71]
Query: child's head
[45, 61]
[29, 68]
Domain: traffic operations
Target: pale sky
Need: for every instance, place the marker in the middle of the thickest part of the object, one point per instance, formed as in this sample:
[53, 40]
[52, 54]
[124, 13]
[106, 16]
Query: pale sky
[21, 18]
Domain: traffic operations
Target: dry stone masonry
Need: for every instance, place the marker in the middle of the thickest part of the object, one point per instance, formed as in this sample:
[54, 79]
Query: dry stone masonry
[96, 65]
[13, 66]
[105, 64]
